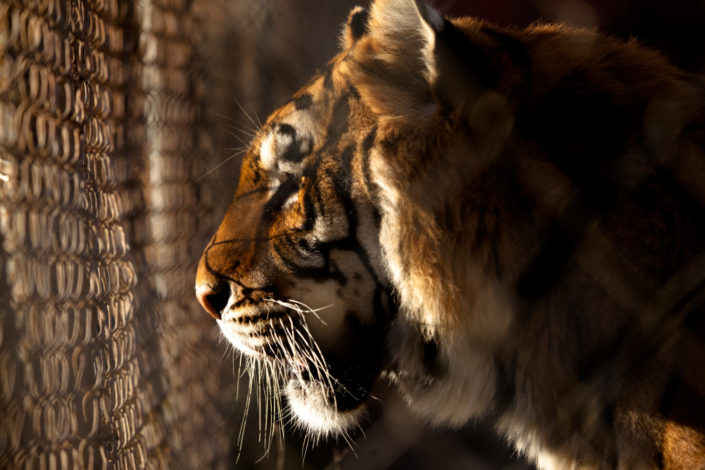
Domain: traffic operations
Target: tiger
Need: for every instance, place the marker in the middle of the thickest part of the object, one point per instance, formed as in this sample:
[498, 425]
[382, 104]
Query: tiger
[499, 223]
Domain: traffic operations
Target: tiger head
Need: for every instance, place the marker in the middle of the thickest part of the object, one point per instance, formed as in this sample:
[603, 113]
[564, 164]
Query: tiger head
[304, 272]
[293, 274]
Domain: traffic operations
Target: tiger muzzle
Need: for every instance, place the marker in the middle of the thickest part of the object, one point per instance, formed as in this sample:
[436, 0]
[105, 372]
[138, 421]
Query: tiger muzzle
[216, 297]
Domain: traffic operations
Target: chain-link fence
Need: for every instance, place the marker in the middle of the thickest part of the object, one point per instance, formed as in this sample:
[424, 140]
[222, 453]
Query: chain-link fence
[120, 126]
[102, 138]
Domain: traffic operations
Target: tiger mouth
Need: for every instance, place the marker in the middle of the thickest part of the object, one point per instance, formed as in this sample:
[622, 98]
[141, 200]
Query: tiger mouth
[343, 386]
[318, 382]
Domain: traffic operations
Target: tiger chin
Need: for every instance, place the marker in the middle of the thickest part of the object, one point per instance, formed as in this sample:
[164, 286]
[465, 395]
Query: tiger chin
[502, 223]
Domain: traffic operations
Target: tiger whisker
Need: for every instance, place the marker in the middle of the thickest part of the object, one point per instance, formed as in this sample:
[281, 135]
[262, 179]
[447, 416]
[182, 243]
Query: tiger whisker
[301, 307]
[233, 122]
[257, 124]
[230, 157]
[245, 143]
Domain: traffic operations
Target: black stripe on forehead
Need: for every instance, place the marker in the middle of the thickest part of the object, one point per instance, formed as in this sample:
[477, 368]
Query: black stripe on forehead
[286, 129]
[354, 92]
[367, 143]
[303, 102]
[328, 78]
[299, 146]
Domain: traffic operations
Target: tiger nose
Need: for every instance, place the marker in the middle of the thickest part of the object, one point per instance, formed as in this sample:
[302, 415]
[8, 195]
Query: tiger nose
[213, 298]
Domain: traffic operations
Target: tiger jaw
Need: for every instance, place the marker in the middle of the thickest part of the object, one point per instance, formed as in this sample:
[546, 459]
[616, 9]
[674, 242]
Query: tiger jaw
[311, 404]
[331, 403]
[326, 393]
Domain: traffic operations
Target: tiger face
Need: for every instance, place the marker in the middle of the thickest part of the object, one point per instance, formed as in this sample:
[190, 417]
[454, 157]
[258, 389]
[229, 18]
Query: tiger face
[470, 212]
[294, 275]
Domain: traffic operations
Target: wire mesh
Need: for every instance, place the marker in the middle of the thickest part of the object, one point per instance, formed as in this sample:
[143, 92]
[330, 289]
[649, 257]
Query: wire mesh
[102, 351]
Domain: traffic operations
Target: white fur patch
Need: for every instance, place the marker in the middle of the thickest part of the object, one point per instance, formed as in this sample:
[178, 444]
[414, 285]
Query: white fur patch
[267, 152]
[276, 143]
[463, 390]
[291, 200]
[282, 142]
[398, 17]
[248, 346]
[310, 406]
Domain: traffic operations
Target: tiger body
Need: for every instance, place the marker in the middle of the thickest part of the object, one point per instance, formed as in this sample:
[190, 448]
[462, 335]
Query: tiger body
[502, 223]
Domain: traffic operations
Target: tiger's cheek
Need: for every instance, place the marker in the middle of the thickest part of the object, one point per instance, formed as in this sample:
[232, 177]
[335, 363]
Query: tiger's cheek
[350, 293]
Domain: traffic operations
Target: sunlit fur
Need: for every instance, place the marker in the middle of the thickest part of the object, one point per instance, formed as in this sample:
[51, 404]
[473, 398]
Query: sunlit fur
[503, 223]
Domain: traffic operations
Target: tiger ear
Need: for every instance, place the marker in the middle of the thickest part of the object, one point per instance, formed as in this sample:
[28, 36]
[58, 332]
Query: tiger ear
[392, 62]
[355, 27]
[408, 60]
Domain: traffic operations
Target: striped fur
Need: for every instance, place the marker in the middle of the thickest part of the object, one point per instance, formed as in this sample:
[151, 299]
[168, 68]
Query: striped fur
[503, 223]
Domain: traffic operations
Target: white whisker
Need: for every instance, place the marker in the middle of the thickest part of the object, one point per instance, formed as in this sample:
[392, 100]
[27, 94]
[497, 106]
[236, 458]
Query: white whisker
[234, 155]
[257, 124]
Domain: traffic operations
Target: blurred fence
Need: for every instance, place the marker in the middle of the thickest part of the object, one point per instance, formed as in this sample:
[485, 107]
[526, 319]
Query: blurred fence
[119, 123]
[102, 137]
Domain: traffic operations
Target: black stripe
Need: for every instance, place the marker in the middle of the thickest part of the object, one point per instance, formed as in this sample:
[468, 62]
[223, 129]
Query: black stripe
[292, 261]
[303, 102]
[338, 124]
[309, 208]
[283, 192]
[367, 143]
[318, 206]
[343, 188]
[354, 92]
[287, 129]
[328, 78]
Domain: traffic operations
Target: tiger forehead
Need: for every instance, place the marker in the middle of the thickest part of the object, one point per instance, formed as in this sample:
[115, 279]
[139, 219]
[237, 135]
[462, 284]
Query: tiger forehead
[302, 123]
[308, 97]
[329, 82]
